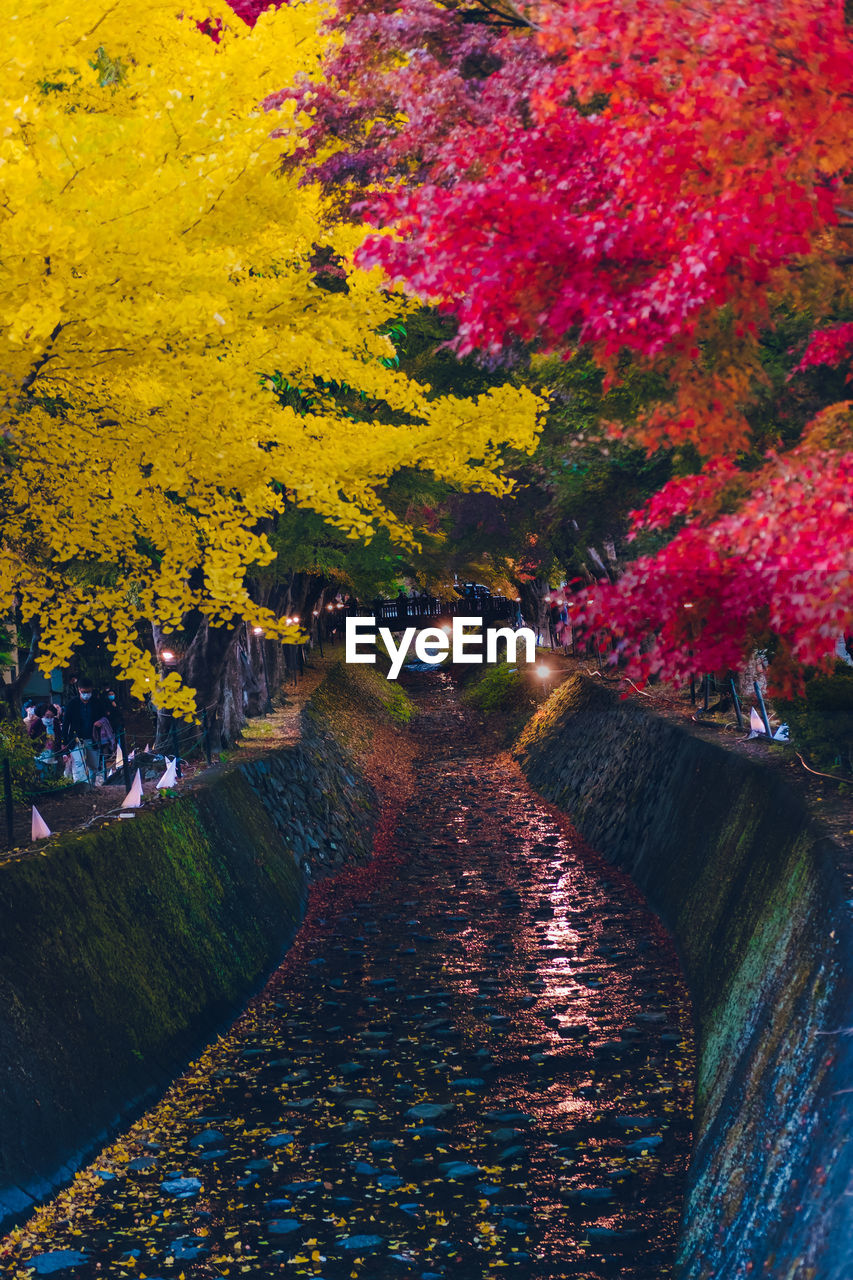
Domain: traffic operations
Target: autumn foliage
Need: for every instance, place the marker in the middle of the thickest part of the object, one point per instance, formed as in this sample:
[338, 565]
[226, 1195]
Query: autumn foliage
[646, 182]
[173, 369]
[653, 181]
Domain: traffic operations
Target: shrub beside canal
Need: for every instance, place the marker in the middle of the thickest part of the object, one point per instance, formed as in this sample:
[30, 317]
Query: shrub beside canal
[504, 693]
[124, 947]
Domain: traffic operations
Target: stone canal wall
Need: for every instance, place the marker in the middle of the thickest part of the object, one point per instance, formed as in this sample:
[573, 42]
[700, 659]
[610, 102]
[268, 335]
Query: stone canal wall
[123, 948]
[757, 901]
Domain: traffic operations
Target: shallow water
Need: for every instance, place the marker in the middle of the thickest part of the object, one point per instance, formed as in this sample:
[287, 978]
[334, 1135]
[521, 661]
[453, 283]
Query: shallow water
[475, 1062]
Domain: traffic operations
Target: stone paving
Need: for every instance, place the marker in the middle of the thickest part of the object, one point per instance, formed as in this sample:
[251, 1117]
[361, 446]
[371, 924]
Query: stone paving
[475, 1062]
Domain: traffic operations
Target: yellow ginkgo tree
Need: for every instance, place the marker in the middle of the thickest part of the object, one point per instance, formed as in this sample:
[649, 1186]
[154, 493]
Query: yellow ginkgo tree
[158, 287]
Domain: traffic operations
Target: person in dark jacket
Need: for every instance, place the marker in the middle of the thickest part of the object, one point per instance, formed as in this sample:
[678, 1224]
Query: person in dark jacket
[113, 711]
[81, 713]
[79, 720]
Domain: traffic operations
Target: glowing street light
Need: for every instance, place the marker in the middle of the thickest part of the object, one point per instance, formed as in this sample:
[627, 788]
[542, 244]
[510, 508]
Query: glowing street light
[257, 631]
[543, 671]
[167, 655]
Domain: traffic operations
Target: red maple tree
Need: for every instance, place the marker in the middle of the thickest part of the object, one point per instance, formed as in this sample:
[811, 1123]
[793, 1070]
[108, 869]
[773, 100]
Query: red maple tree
[644, 176]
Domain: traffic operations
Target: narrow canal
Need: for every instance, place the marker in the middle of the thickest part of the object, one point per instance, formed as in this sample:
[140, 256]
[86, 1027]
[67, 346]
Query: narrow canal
[476, 1062]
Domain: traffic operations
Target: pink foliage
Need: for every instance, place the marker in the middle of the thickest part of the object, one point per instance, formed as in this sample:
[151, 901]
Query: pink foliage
[621, 174]
[828, 346]
[780, 564]
[697, 179]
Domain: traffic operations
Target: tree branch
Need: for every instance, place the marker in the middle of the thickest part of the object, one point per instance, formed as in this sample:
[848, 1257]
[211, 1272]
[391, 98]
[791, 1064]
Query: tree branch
[482, 11]
[46, 355]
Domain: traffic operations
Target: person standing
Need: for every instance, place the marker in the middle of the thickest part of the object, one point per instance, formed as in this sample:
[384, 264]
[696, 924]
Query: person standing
[78, 723]
[113, 712]
[52, 720]
[40, 726]
[111, 724]
[44, 735]
[553, 622]
[564, 630]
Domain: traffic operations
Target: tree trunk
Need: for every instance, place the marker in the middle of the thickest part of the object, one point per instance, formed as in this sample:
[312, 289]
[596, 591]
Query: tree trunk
[609, 571]
[234, 672]
[211, 665]
[13, 690]
[535, 607]
[296, 596]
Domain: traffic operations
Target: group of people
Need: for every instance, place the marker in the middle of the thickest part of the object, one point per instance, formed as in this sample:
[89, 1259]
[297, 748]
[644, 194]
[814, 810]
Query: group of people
[90, 724]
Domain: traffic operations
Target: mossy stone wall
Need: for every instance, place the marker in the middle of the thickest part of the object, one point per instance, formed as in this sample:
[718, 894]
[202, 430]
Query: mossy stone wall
[122, 949]
[755, 897]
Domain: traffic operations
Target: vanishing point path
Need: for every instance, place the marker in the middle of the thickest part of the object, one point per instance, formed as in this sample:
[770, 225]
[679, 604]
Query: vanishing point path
[475, 1062]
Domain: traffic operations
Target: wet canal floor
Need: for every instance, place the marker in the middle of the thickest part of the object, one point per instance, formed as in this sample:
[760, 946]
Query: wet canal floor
[475, 1062]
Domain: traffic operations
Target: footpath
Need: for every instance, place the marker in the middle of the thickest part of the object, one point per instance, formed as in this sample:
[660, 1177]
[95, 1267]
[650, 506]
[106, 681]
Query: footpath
[82, 807]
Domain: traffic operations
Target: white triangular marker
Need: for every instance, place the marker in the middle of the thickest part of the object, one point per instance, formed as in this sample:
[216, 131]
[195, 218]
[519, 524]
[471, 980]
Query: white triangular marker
[133, 799]
[756, 724]
[169, 778]
[40, 828]
[119, 758]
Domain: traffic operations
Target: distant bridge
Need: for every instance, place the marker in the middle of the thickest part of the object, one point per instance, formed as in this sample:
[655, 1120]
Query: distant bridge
[429, 611]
